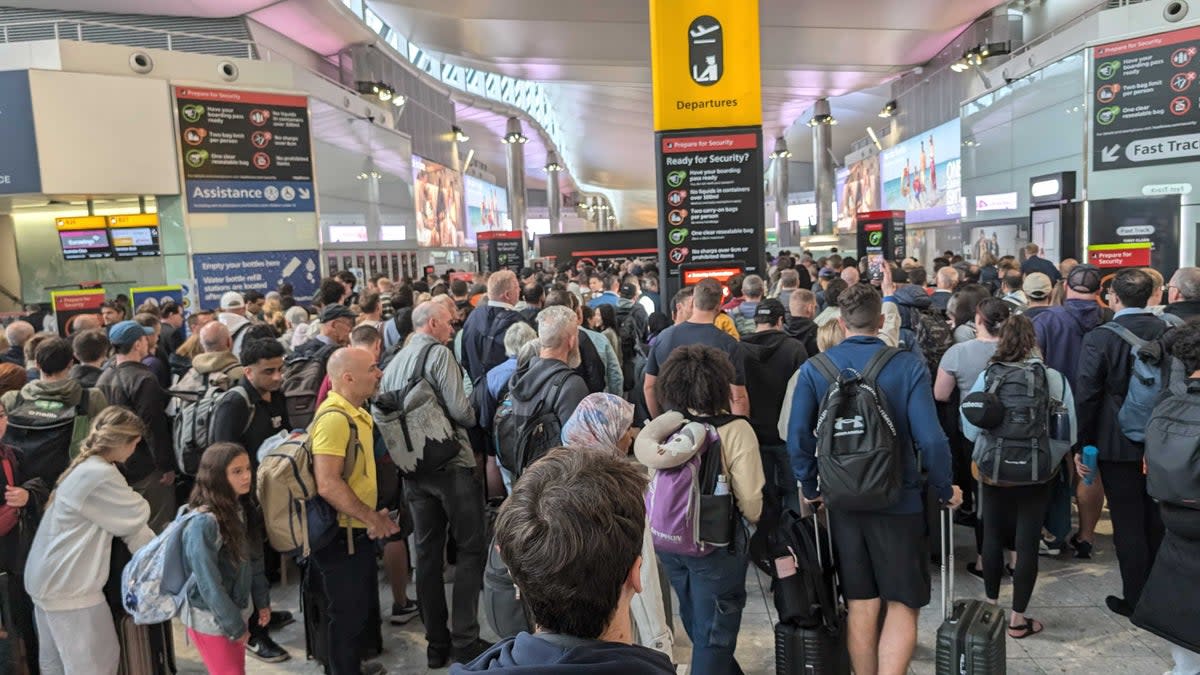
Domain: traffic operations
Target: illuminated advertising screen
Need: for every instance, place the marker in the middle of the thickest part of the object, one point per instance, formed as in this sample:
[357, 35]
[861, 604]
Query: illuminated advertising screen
[438, 194]
[857, 191]
[923, 175]
[487, 208]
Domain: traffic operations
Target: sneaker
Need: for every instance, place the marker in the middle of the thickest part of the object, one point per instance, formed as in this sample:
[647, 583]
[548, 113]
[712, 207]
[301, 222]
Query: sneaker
[1083, 549]
[1118, 606]
[1050, 547]
[264, 648]
[436, 657]
[280, 619]
[470, 652]
[373, 668]
[402, 614]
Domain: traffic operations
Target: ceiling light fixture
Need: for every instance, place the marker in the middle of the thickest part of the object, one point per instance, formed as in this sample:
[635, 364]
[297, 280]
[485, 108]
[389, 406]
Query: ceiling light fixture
[889, 109]
[552, 163]
[874, 138]
[781, 149]
[513, 133]
[459, 135]
[818, 120]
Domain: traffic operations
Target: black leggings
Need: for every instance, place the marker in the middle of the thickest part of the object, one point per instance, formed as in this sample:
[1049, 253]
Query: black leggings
[1013, 515]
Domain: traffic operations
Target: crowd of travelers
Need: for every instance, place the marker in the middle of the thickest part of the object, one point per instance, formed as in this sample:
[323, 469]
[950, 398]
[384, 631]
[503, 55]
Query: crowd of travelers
[564, 448]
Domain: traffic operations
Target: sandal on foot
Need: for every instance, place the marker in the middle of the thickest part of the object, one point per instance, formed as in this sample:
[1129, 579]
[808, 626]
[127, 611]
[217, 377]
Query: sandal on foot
[1030, 627]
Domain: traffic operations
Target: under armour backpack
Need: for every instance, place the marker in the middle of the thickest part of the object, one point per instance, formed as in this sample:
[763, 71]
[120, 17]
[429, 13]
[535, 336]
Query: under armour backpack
[525, 430]
[860, 465]
[1173, 447]
[155, 583]
[1151, 369]
[1019, 450]
[48, 434]
[302, 378]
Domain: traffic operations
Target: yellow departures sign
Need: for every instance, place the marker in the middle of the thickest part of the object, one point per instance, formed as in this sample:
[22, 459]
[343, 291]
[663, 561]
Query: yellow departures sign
[704, 56]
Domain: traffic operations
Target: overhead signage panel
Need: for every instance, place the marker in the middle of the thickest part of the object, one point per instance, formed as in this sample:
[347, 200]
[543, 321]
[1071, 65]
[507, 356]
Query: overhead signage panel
[711, 193]
[1147, 101]
[245, 151]
[19, 168]
[705, 62]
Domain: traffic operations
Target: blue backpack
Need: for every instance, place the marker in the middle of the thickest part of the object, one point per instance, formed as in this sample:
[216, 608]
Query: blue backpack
[155, 583]
[1152, 367]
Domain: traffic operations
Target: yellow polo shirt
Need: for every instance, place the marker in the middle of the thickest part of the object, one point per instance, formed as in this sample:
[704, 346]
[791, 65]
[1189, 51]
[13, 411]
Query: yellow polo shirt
[330, 435]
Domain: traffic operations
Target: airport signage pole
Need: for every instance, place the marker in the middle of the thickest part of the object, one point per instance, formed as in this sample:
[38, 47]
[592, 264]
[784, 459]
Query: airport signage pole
[707, 89]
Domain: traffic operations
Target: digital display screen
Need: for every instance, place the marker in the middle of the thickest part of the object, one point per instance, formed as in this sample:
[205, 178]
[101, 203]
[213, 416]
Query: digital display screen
[135, 242]
[85, 244]
[347, 233]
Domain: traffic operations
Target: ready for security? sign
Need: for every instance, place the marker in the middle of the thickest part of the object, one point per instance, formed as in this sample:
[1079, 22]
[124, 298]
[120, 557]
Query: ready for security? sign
[705, 62]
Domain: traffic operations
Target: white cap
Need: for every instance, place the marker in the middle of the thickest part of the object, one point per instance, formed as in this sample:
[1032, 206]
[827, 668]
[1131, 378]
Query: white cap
[232, 300]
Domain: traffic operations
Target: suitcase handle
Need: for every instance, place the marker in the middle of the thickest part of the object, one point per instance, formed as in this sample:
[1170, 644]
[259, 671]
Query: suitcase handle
[946, 525]
[828, 540]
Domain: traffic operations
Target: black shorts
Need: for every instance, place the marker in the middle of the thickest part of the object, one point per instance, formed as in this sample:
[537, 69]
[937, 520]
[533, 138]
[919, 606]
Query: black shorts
[882, 556]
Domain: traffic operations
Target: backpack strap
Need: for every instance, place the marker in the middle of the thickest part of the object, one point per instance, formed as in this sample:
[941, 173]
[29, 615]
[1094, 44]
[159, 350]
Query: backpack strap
[353, 447]
[556, 391]
[1171, 320]
[826, 367]
[81, 408]
[241, 391]
[1125, 334]
[877, 363]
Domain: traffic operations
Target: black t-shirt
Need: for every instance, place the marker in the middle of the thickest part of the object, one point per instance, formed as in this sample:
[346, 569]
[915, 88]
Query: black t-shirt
[689, 333]
[231, 414]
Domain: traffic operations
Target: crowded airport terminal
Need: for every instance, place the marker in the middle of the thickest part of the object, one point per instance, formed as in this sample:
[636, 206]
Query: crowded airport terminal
[619, 337]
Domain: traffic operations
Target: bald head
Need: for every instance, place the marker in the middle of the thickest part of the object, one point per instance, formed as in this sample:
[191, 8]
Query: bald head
[85, 322]
[214, 337]
[353, 374]
[850, 276]
[19, 332]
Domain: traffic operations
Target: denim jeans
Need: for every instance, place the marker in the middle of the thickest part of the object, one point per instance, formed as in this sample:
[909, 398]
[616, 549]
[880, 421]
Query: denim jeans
[780, 487]
[712, 594]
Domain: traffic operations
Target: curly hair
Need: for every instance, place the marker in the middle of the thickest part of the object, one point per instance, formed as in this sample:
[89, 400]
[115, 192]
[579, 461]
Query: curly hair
[1187, 346]
[214, 494]
[695, 377]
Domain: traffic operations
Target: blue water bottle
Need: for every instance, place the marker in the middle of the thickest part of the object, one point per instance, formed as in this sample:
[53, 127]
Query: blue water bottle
[1089, 460]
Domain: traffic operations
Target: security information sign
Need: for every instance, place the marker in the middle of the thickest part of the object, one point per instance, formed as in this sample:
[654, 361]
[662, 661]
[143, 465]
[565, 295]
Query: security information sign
[244, 151]
[711, 197]
[1147, 101]
[704, 57]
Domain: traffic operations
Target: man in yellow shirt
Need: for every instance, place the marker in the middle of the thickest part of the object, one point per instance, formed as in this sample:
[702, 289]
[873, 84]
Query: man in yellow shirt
[346, 569]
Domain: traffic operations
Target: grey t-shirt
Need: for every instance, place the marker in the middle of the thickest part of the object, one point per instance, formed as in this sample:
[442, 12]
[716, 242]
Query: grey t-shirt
[966, 360]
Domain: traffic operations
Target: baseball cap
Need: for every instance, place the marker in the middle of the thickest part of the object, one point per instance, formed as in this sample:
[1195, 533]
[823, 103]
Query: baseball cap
[1037, 286]
[335, 312]
[983, 409]
[628, 291]
[125, 333]
[232, 300]
[827, 273]
[769, 311]
[899, 276]
[1084, 279]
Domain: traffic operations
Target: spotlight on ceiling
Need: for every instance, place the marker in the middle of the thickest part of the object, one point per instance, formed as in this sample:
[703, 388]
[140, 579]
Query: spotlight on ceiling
[460, 135]
[552, 163]
[781, 149]
[822, 114]
[889, 109]
[513, 133]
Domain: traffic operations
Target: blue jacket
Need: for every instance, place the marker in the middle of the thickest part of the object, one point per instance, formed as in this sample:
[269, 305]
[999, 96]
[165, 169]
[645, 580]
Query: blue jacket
[1060, 332]
[1038, 264]
[907, 389]
[221, 585]
[537, 655]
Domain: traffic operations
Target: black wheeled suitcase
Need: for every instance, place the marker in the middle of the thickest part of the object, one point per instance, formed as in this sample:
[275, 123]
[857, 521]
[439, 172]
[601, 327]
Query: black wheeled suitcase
[971, 639]
[818, 649]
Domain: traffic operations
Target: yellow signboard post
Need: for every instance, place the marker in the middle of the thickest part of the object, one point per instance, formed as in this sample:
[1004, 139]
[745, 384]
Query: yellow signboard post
[704, 56]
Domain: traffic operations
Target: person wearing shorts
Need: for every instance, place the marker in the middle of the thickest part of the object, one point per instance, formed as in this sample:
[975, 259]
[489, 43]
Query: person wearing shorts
[882, 554]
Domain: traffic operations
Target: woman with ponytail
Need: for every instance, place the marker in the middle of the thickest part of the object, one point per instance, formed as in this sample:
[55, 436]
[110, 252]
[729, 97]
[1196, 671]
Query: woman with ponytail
[219, 560]
[68, 562]
[1012, 516]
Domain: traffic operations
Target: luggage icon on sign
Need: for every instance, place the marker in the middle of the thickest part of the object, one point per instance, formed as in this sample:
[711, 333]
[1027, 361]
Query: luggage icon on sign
[677, 216]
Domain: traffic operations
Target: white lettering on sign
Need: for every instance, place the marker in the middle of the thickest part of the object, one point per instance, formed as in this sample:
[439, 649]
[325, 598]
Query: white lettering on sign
[1167, 189]
[1135, 231]
[1169, 147]
[5, 179]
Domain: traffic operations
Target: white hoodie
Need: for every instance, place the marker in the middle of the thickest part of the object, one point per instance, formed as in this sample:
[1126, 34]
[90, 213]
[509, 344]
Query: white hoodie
[68, 562]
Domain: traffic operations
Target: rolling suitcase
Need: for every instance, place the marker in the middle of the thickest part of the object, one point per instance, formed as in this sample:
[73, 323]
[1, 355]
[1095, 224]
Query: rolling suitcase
[971, 639]
[819, 649]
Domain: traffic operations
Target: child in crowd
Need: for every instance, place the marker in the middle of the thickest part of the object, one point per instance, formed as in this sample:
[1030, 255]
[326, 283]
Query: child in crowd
[68, 562]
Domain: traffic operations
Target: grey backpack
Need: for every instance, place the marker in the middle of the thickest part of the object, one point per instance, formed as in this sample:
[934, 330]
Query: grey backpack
[502, 605]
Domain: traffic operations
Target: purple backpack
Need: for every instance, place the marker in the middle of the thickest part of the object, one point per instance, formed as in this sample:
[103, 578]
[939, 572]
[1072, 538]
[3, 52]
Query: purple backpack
[685, 515]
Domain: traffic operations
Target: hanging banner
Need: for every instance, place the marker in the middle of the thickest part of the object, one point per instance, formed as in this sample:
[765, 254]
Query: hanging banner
[19, 168]
[261, 271]
[70, 304]
[245, 151]
[704, 60]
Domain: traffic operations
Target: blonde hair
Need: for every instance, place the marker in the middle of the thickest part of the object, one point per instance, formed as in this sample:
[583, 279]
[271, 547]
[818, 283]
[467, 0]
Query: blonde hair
[115, 426]
[829, 334]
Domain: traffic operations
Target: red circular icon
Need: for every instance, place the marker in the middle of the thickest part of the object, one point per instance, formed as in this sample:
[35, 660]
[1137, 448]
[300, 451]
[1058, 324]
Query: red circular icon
[1181, 105]
[260, 139]
[1181, 81]
[261, 160]
[678, 255]
[1182, 57]
[259, 117]
[1108, 93]
[194, 135]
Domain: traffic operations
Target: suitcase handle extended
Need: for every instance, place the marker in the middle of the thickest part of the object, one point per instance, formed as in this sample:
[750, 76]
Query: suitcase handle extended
[828, 539]
[946, 525]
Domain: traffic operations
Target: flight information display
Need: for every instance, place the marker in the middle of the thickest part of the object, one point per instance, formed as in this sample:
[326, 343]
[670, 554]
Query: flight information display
[85, 244]
[135, 242]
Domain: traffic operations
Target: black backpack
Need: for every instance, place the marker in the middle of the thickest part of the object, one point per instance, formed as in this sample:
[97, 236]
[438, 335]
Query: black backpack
[524, 431]
[860, 464]
[502, 605]
[47, 433]
[302, 378]
[1173, 447]
[392, 414]
[805, 597]
[631, 329]
[1019, 451]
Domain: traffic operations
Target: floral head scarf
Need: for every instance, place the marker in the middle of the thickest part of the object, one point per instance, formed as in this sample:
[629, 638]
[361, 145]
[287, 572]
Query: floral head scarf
[599, 422]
